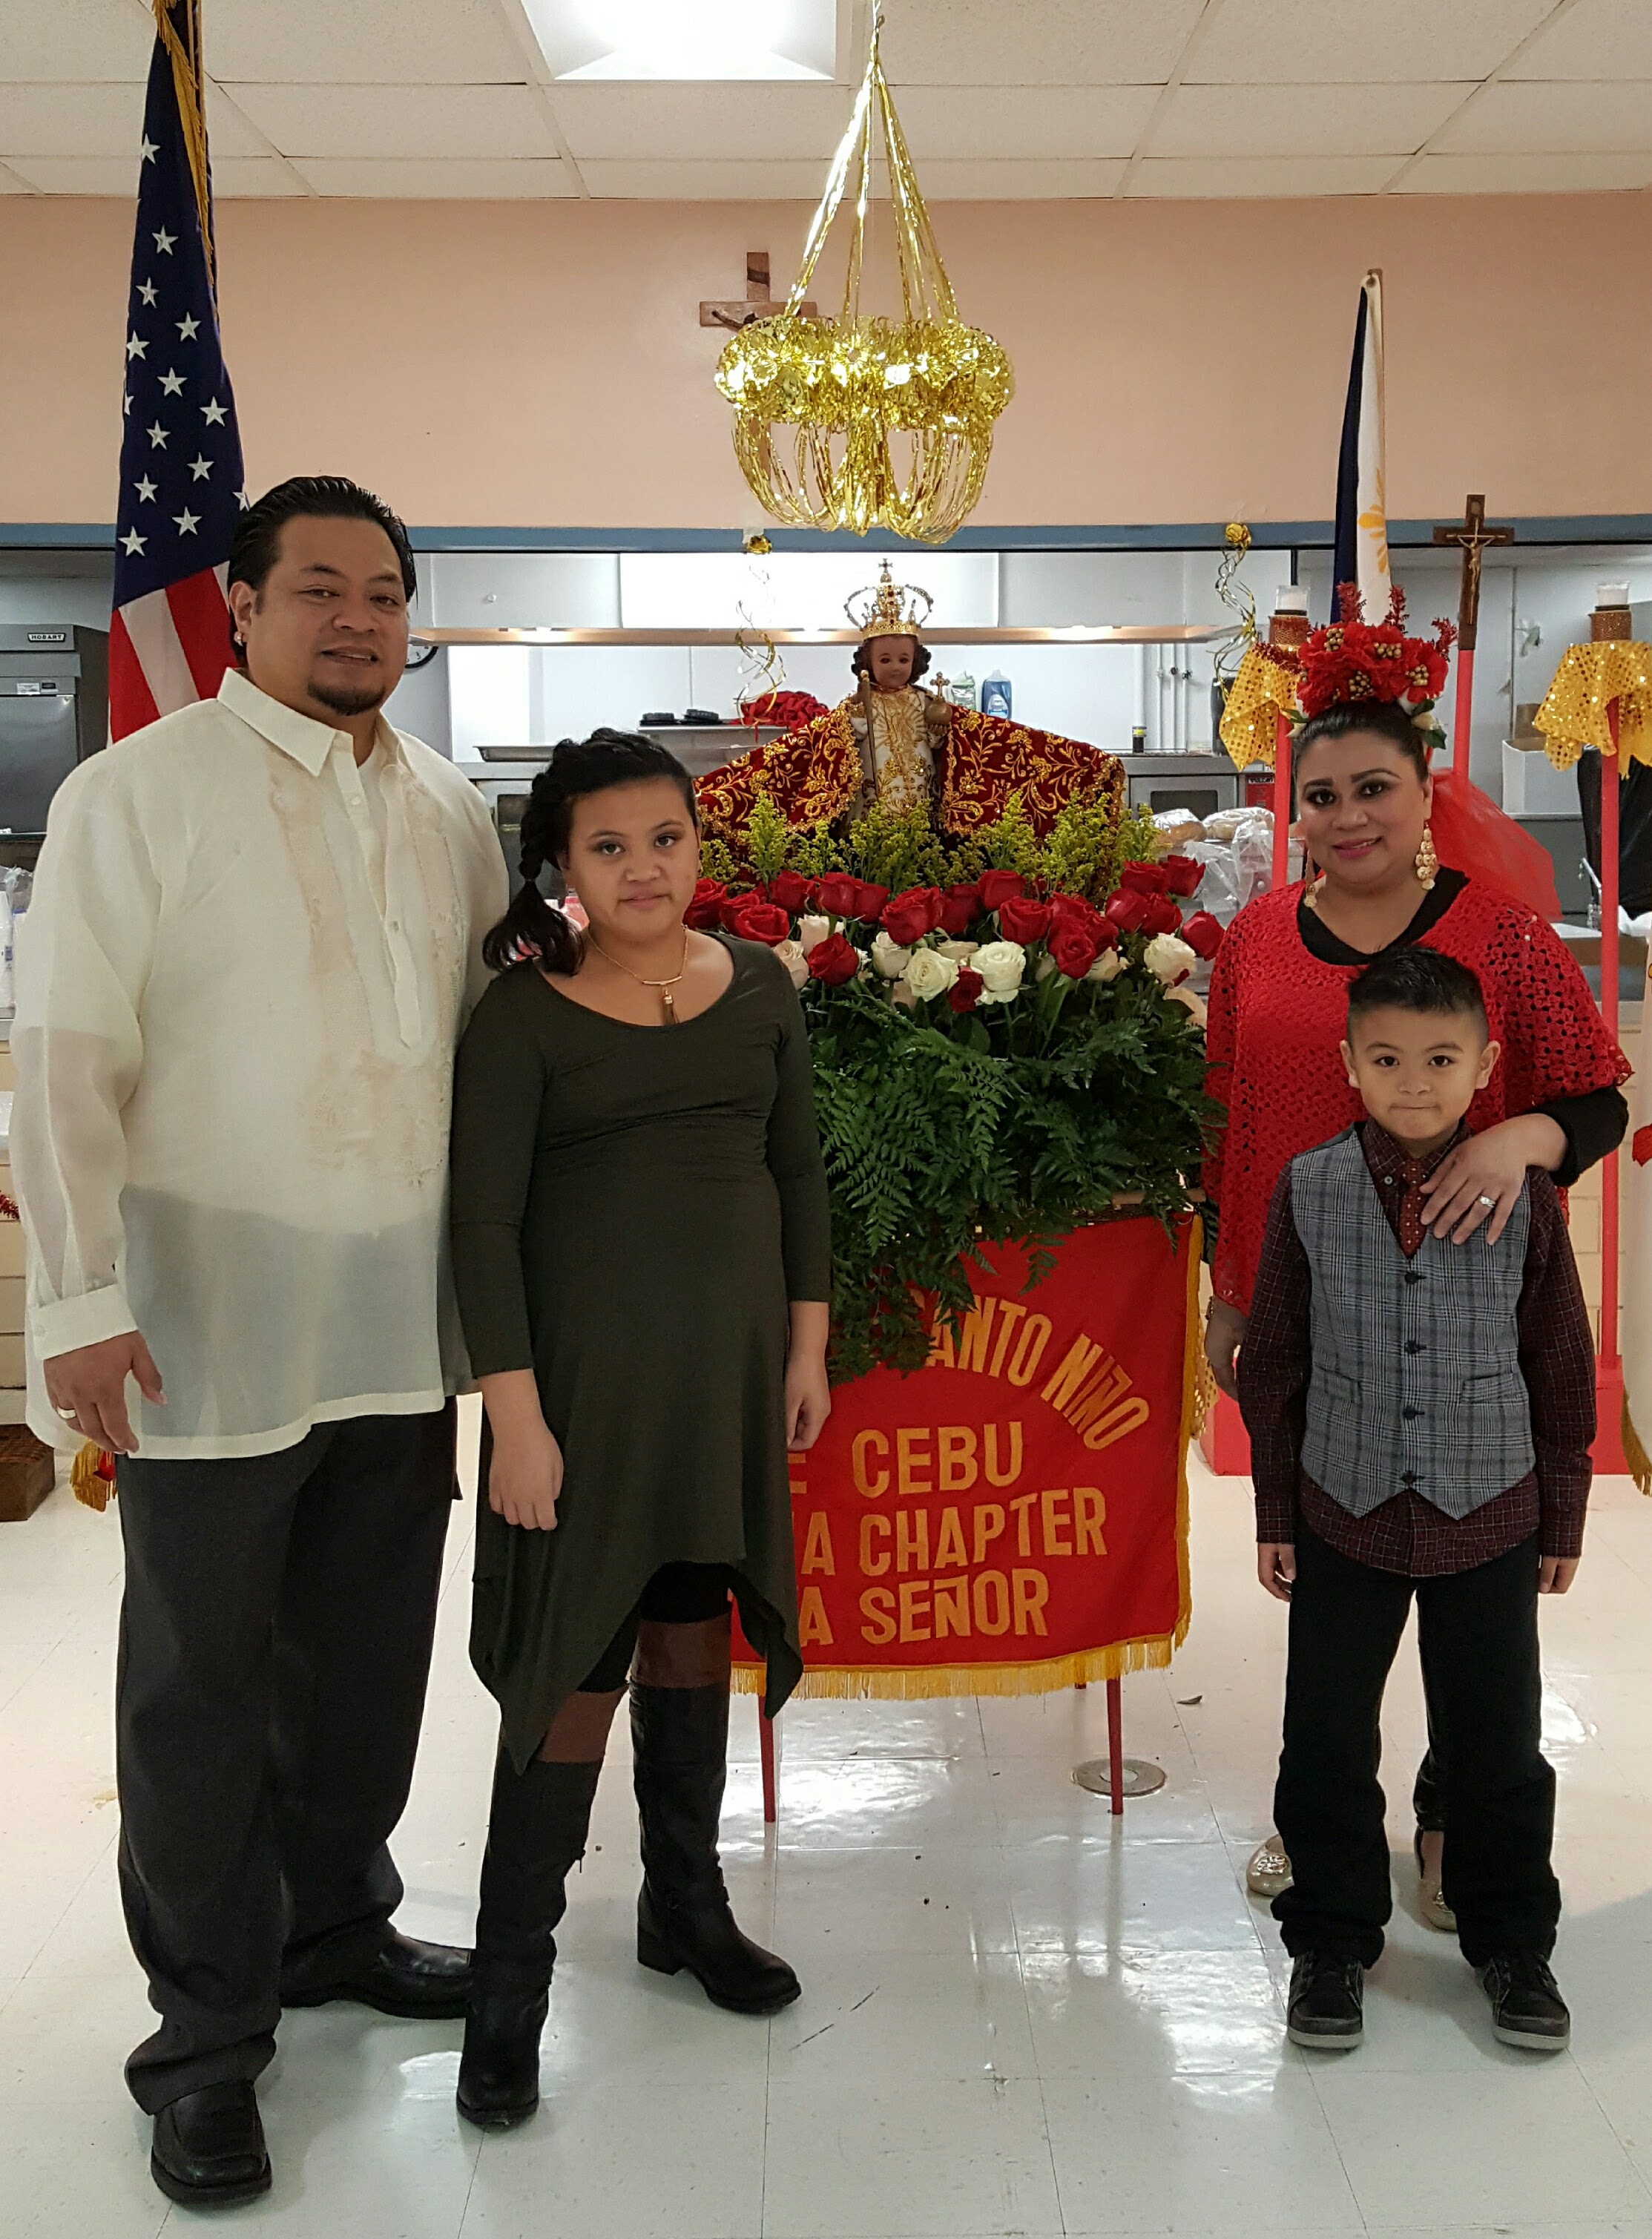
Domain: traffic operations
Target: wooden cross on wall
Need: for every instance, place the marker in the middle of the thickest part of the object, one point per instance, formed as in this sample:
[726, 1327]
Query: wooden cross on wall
[757, 303]
[1473, 533]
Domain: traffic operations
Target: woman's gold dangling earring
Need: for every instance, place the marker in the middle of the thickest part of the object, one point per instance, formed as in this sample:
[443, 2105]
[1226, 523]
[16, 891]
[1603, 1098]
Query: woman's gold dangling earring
[1310, 892]
[1428, 862]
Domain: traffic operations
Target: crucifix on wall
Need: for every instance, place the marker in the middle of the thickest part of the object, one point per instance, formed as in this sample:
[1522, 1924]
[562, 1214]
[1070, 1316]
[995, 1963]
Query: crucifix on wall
[757, 303]
[1473, 533]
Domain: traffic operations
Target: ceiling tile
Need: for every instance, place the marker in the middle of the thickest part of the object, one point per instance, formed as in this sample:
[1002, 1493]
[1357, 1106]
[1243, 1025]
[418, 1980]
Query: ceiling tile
[10, 183]
[1290, 120]
[353, 122]
[1594, 39]
[1027, 179]
[1218, 177]
[79, 175]
[1330, 42]
[257, 178]
[1541, 120]
[61, 40]
[360, 41]
[985, 43]
[229, 132]
[672, 123]
[436, 180]
[715, 179]
[1525, 174]
[70, 120]
[1024, 120]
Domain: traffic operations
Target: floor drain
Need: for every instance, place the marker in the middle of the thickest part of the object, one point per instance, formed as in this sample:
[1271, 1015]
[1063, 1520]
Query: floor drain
[1141, 1776]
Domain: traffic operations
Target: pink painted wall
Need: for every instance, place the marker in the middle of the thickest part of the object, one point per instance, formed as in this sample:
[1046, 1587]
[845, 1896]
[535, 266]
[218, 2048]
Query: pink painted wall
[541, 364]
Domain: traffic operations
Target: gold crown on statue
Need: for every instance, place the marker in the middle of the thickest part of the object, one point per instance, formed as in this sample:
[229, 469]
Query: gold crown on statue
[887, 608]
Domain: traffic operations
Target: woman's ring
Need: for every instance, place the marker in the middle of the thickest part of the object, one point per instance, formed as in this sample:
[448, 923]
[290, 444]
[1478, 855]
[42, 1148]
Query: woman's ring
[1489, 1203]
[68, 1413]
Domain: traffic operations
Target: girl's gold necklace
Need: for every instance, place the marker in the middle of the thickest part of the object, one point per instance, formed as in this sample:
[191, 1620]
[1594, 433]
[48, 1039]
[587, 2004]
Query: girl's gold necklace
[665, 987]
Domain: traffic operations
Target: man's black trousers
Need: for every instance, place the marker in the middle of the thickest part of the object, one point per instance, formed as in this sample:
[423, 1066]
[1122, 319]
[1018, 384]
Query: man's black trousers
[1477, 1632]
[275, 1637]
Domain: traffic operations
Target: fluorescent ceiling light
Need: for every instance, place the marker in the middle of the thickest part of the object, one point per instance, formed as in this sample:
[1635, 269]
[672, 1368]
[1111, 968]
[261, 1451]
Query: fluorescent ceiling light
[586, 40]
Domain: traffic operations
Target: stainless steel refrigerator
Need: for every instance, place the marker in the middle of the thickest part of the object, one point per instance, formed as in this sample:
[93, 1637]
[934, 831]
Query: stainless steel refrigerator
[54, 712]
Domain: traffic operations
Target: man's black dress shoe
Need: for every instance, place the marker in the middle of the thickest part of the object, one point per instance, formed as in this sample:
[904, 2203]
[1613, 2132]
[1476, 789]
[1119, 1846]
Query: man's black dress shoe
[1527, 2008]
[208, 2147]
[414, 1981]
[1326, 2010]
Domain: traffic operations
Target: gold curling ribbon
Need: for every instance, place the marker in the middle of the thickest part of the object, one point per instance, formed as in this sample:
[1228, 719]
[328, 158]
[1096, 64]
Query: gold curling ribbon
[1589, 678]
[1258, 695]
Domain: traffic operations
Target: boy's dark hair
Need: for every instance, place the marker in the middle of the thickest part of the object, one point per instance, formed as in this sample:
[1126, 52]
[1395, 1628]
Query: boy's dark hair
[1417, 978]
[532, 927]
[1383, 718]
[862, 662]
[255, 544]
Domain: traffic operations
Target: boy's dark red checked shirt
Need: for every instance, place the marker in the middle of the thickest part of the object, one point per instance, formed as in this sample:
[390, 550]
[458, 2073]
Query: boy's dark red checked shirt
[1407, 1534]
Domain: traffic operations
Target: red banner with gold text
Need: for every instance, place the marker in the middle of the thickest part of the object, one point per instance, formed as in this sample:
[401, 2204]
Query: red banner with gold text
[1013, 1518]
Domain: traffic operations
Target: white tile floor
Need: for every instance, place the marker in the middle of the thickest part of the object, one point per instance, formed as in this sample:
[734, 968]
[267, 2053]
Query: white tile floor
[1019, 2017]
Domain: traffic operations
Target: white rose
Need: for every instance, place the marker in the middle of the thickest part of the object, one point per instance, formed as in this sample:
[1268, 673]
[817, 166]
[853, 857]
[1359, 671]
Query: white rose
[1107, 967]
[812, 931]
[1046, 970]
[1168, 958]
[889, 957]
[792, 954]
[930, 974]
[902, 996]
[960, 951]
[1002, 965]
[1195, 1004]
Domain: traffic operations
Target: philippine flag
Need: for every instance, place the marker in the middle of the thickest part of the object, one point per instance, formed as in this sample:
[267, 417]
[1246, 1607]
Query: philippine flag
[1362, 507]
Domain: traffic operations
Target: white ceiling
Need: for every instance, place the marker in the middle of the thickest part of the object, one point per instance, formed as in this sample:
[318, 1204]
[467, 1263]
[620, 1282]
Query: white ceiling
[1001, 99]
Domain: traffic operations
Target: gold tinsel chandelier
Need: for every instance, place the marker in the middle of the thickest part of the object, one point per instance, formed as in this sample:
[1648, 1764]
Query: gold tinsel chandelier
[824, 408]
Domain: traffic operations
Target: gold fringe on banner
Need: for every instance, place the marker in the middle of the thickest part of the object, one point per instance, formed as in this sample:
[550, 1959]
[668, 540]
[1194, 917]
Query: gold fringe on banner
[189, 83]
[1088, 1666]
[1635, 1454]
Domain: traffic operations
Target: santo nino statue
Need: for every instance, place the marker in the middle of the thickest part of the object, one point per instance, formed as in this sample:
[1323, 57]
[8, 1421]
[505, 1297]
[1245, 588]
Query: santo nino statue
[894, 743]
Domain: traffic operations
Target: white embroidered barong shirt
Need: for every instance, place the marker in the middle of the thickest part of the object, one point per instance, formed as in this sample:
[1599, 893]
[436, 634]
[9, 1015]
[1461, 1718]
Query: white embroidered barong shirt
[240, 986]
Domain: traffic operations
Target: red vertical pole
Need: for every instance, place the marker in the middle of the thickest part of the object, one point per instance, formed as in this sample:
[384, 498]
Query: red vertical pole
[1281, 799]
[1464, 711]
[765, 1750]
[1116, 1746]
[1611, 1365]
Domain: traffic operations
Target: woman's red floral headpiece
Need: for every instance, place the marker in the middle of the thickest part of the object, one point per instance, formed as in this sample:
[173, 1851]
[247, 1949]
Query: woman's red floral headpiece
[1351, 661]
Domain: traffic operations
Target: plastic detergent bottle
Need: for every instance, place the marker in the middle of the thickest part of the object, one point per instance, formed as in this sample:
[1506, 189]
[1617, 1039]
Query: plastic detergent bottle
[995, 694]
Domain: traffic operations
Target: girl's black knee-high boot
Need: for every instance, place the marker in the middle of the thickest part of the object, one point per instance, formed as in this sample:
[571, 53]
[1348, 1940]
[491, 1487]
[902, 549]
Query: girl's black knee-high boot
[536, 1832]
[680, 1742]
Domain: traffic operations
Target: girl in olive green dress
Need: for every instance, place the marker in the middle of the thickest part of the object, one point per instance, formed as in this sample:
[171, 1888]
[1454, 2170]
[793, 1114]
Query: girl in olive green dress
[640, 1250]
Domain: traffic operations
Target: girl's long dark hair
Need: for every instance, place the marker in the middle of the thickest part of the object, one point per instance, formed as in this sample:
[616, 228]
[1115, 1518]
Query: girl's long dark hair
[532, 927]
[1384, 718]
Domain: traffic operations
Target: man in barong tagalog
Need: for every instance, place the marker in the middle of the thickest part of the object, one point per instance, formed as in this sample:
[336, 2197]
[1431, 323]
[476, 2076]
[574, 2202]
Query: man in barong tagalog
[893, 743]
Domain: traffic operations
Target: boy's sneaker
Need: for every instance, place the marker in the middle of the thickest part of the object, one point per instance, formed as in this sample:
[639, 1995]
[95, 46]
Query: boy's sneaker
[1527, 2008]
[1327, 2007]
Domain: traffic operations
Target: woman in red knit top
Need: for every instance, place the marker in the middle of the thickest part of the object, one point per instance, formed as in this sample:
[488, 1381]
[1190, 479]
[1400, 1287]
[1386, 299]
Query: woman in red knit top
[1278, 1001]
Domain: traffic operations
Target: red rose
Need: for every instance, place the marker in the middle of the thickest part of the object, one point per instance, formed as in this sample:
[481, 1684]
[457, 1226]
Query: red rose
[912, 914]
[836, 893]
[1183, 872]
[1022, 920]
[1073, 909]
[1128, 911]
[729, 907]
[965, 991]
[961, 907]
[1163, 916]
[1075, 948]
[869, 900]
[833, 961]
[706, 907]
[1144, 878]
[1202, 934]
[997, 888]
[764, 921]
[790, 892]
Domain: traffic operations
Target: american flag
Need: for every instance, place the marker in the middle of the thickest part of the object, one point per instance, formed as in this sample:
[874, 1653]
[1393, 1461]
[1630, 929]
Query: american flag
[181, 481]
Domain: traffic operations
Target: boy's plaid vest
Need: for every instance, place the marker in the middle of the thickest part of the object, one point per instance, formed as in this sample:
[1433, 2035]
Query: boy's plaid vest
[1416, 1383]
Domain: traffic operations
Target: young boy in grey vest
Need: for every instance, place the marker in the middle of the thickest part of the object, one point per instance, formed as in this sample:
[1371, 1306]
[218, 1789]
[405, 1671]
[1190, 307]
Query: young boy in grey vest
[1421, 1413]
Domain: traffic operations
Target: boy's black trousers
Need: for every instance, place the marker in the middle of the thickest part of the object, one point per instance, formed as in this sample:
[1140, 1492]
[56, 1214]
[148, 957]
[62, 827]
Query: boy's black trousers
[1477, 1631]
